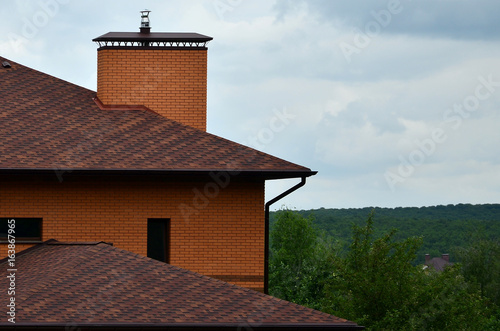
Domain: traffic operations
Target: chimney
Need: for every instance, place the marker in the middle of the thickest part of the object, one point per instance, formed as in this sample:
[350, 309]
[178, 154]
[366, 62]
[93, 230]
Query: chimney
[446, 257]
[166, 72]
[427, 258]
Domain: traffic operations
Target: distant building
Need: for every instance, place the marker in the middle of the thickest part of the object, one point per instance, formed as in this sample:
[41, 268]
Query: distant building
[438, 263]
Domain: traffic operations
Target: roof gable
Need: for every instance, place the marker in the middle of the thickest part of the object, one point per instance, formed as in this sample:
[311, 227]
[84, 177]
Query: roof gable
[50, 124]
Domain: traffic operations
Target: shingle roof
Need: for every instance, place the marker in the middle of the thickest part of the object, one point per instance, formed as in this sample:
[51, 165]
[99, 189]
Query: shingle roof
[438, 263]
[95, 284]
[48, 124]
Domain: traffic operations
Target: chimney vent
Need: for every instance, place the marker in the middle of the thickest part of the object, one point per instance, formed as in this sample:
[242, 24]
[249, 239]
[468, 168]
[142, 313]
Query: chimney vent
[145, 26]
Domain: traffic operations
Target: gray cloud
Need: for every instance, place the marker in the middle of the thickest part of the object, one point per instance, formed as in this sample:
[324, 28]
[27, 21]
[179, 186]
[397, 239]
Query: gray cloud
[455, 19]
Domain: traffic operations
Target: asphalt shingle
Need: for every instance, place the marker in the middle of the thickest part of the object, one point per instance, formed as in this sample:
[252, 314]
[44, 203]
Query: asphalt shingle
[50, 124]
[96, 283]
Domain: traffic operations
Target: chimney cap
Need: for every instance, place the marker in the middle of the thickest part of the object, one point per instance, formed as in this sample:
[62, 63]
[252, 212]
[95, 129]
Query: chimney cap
[153, 39]
[145, 23]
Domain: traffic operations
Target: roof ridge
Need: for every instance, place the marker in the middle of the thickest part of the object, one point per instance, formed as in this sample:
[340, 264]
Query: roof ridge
[77, 243]
[55, 242]
[28, 250]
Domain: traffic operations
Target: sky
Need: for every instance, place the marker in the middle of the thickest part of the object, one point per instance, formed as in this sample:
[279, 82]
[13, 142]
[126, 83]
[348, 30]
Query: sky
[395, 103]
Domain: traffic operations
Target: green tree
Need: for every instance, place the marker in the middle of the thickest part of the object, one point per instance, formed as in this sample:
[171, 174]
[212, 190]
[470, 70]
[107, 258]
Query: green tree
[377, 285]
[443, 301]
[480, 262]
[374, 278]
[298, 264]
[375, 282]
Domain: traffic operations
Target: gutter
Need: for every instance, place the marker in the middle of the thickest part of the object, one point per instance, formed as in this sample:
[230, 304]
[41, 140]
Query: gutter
[266, 231]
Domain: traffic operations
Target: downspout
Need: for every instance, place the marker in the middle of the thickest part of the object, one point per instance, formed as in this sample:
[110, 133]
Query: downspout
[266, 231]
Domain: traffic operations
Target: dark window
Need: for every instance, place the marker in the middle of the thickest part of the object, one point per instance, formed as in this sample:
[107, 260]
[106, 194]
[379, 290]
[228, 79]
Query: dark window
[25, 229]
[159, 239]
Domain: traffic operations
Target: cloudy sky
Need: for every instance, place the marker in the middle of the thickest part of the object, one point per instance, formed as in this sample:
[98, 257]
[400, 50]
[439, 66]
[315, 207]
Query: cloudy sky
[394, 102]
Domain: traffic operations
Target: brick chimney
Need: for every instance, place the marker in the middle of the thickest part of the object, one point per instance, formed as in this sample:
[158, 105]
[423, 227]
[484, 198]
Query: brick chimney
[166, 72]
[446, 257]
[427, 258]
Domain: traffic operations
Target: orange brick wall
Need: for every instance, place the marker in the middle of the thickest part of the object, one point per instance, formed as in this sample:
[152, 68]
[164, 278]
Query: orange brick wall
[223, 238]
[172, 82]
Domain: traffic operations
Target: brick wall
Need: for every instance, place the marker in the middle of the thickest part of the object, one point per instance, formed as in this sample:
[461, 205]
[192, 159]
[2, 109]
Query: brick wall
[172, 82]
[223, 238]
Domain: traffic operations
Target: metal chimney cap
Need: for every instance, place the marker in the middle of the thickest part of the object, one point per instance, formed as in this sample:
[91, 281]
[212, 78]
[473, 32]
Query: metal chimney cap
[145, 23]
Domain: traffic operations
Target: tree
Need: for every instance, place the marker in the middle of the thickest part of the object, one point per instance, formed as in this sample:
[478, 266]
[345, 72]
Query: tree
[480, 262]
[298, 263]
[444, 301]
[375, 277]
[377, 285]
[375, 282]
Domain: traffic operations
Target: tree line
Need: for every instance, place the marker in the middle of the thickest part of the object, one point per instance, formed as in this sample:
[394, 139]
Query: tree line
[374, 279]
[443, 228]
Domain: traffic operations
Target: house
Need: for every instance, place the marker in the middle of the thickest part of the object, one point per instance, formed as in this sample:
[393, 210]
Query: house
[133, 165]
[437, 263]
[96, 286]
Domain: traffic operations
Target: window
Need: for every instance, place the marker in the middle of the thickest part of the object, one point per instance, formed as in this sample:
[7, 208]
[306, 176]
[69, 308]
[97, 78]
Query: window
[159, 239]
[25, 229]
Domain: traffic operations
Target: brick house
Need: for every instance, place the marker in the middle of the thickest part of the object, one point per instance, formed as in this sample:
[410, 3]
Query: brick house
[132, 164]
[101, 184]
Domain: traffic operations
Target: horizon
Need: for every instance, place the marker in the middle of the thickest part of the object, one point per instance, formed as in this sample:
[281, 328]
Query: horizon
[375, 207]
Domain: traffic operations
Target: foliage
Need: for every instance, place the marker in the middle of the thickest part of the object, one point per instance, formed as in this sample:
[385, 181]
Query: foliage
[441, 301]
[442, 227]
[298, 260]
[375, 277]
[375, 281]
[481, 265]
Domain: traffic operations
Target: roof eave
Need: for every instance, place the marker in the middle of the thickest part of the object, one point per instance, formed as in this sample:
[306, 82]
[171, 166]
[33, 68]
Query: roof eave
[348, 326]
[261, 174]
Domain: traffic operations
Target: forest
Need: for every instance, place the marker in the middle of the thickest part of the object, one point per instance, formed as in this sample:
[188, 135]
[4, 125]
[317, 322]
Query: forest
[366, 265]
[443, 228]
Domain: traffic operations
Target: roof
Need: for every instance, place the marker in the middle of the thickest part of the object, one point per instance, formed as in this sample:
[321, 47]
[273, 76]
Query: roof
[88, 285]
[438, 263]
[49, 124]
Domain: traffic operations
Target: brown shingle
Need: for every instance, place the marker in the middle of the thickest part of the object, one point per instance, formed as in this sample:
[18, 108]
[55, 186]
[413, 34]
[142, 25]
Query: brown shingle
[95, 283]
[50, 124]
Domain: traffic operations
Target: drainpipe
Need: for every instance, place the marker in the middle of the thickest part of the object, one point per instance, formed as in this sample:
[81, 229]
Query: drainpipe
[266, 248]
